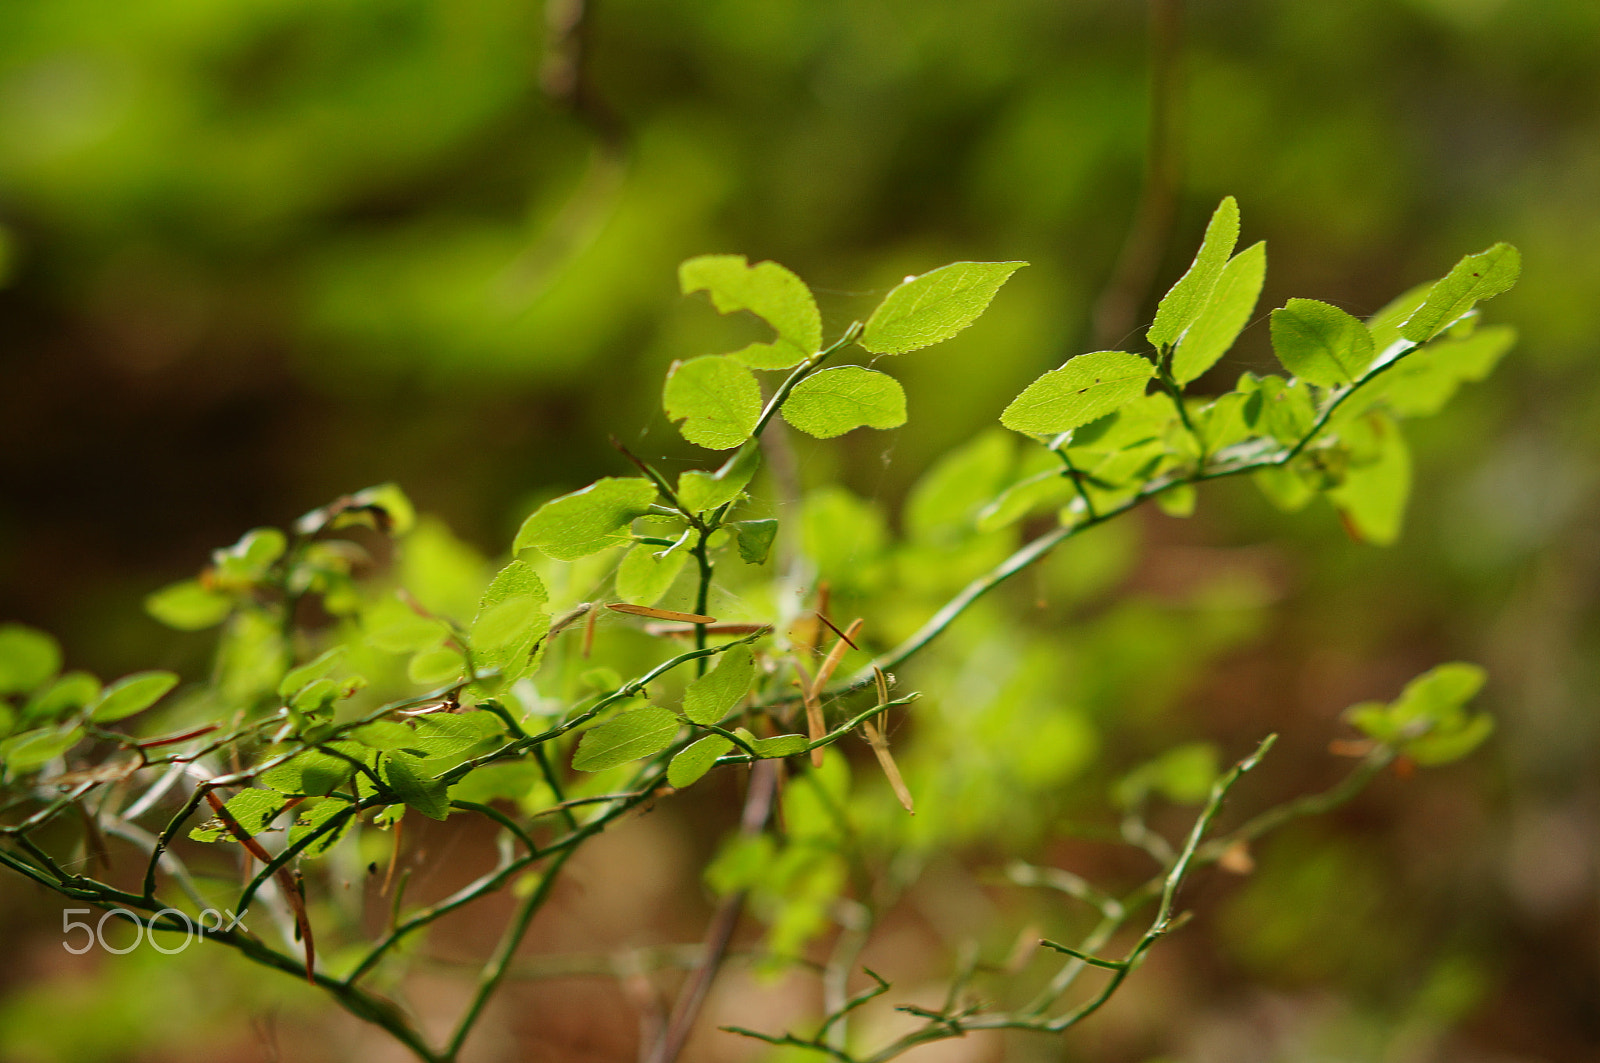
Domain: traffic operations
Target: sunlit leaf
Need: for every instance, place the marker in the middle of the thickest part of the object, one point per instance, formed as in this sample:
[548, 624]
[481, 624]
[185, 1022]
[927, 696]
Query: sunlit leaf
[701, 491]
[835, 401]
[935, 306]
[406, 776]
[1320, 343]
[189, 606]
[767, 290]
[1372, 498]
[587, 521]
[1085, 389]
[1472, 280]
[28, 658]
[1191, 295]
[716, 398]
[1227, 312]
[643, 578]
[131, 694]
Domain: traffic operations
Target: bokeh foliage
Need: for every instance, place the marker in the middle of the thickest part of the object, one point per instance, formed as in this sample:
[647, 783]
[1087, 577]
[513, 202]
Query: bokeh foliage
[259, 254]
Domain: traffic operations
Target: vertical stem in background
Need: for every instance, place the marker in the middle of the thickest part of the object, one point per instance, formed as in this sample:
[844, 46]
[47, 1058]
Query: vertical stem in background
[686, 1009]
[1117, 310]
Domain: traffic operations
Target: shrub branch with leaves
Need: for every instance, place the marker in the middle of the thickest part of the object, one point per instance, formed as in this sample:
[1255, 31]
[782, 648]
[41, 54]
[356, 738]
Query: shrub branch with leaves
[362, 676]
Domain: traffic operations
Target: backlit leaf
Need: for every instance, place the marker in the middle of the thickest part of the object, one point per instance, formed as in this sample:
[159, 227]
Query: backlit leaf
[1227, 312]
[767, 290]
[189, 606]
[1472, 280]
[28, 658]
[1191, 295]
[1320, 343]
[407, 777]
[935, 306]
[716, 398]
[587, 521]
[834, 401]
[642, 578]
[701, 491]
[1085, 389]
[754, 538]
[131, 694]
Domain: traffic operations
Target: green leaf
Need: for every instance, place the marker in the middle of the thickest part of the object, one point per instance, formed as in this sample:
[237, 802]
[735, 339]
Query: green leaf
[1281, 407]
[779, 746]
[28, 659]
[394, 626]
[406, 776]
[754, 538]
[689, 766]
[247, 561]
[834, 401]
[1427, 379]
[1320, 343]
[431, 668]
[1372, 498]
[1047, 488]
[711, 697]
[315, 669]
[1445, 747]
[944, 503]
[131, 694]
[1085, 389]
[1284, 487]
[643, 578]
[510, 622]
[1178, 500]
[383, 508]
[311, 772]
[1189, 298]
[624, 738]
[701, 492]
[32, 749]
[1385, 324]
[767, 290]
[1474, 279]
[311, 818]
[1439, 694]
[67, 694]
[935, 306]
[456, 735]
[587, 521]
[189, 606]
[1227, 312]
[716, 398]
[252, 809]
[384, 735]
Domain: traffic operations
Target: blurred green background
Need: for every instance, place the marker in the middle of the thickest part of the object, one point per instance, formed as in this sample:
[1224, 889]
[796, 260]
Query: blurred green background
[256, 254]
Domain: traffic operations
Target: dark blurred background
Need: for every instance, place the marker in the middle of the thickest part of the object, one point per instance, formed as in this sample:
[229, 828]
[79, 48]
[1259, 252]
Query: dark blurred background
[260, 253]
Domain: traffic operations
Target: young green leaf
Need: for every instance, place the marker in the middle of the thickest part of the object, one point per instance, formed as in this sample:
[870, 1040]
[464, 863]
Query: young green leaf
[189, 606]
[755, 539]
[767, 290]
[1189, 298]
[711, 697]
[408, 778]
[67, 694]
[626, 737]
[1427, 379]
[1227, 312]
[587, 521]
[315, 669]
[33, 749]
[944, 503]
[311, 818]
[1474, 279]
[701, 492]
[1372, 498]
[643, 578]
[931, 308]
[689, 766]
[716, 398]
[1284, 487]
[131, 694]
[28, 658]
[1085, 389]
[510, 622]
[834, 401]
[779, 746]
[253, 810]
[1320, 343]
[1282, 407]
